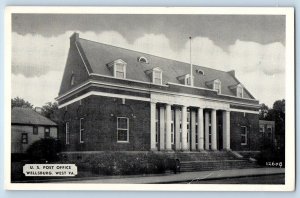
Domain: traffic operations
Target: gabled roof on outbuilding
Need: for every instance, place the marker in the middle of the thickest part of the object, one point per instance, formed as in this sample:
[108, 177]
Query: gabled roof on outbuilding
[28, 116]
[98, 55]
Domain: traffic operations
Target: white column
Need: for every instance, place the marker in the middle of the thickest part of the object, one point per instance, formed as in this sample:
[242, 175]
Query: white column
[213, 129]
[206, 130]
[226, 130]
[200, 129]
[152, 126]
[184, 128]
[168, 127]
[177, 129]
[162, 128]
[193, 130]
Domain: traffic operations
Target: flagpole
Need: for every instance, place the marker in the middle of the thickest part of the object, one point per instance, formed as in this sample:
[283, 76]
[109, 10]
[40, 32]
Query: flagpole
[191, 66]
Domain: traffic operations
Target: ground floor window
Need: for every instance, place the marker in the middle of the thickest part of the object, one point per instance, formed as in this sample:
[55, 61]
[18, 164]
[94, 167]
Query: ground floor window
[24, 138]
[47, 132]
[67, 128]
[81, 130]
[243, 135]
[261, 128]
[35, 130]
[122, 129]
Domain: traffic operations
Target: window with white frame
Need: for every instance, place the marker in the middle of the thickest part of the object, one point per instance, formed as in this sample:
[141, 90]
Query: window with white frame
[157, 76]
[24, 138]
[239, 91]
[243, 135]
[47, 132]
[120, 70]
[156, 126]
[269, 128]
[172, 126]
[122, 129]
[67, 128]
[261, 128]
[81, 130]
[217, 86]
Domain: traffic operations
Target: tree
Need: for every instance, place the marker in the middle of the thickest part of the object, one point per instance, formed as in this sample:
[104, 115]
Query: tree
[263, 111]
[49, 110]
[20, 102]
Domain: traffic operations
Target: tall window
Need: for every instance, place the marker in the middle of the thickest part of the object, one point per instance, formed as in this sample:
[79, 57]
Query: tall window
[261, 128]
[81, 130]
[47, 132]
[67, 133]
[24, 138]
[122, 129]
[72, 82]
[217, 86]
[188, 119]
[120, 70]
[172, 126]
[156, 126]
[157, 77]
[239, 91]
[35, 130]
[243, 135]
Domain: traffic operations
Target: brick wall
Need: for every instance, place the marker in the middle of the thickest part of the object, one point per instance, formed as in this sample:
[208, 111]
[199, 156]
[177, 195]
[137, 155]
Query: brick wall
[239, 119]
[100, 131]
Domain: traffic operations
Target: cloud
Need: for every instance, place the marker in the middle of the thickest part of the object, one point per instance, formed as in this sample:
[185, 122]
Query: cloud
[37, 90]
[37, 60]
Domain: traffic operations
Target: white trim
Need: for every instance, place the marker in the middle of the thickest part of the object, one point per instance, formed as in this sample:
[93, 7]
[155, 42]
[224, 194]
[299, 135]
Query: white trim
[80, 131]
[189, 86]
[98, 93]
[127, 129]
[67, 132]
[158, 91]
[82, 58]
[246, 136]
[130, 80]
[245, 111]
[157, 69]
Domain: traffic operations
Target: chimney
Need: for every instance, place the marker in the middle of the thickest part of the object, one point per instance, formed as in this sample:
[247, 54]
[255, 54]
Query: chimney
[38, 110]
[232, 73]
[74, 38]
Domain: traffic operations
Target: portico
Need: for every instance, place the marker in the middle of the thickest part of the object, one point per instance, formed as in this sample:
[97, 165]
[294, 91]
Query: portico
[188, 126]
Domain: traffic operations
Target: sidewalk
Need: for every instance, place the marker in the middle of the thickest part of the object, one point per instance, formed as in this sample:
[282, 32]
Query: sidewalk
[181, 177]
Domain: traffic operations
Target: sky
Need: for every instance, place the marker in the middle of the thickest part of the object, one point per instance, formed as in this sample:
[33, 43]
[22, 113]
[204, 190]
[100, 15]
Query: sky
[252, 45]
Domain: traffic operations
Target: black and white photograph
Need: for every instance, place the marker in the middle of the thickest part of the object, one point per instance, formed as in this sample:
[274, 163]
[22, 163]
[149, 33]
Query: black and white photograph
[128, 98]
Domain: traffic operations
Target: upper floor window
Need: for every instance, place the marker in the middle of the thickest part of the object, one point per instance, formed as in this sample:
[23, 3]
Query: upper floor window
[35, 130]
[157, 76]
[217, 86]
[239, 91]
[186, 79]
[119, 68]
[143, 59]
[72, 82]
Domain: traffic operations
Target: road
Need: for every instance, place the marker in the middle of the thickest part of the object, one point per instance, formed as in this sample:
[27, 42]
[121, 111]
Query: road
[263, 179]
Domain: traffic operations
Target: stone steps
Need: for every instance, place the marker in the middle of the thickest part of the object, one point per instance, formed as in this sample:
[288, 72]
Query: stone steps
[190, 166]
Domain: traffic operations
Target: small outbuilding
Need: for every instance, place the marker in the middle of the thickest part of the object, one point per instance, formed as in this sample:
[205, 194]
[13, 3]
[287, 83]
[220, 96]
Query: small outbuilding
[28, 126]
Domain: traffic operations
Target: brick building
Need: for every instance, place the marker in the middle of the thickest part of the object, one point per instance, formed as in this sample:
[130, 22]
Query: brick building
[113, 98]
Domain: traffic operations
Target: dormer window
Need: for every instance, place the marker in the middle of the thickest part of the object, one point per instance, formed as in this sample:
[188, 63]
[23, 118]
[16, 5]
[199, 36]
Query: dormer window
[239, 91]
[119, 68]
[156, 75]
[143, 59]
[185, 79]
[217, 85]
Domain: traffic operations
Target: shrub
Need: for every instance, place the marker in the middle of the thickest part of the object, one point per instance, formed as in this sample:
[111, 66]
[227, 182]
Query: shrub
[122, 163]
[45, 149]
